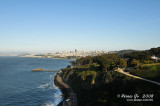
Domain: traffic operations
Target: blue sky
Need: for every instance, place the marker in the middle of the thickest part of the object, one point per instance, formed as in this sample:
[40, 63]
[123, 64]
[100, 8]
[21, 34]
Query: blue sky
[53, 25]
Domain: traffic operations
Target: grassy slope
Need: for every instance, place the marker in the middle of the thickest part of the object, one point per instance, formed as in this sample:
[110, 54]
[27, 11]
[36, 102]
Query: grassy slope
[149, 71]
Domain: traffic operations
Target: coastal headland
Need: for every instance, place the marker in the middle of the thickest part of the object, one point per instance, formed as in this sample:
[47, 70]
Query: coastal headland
[69, 97]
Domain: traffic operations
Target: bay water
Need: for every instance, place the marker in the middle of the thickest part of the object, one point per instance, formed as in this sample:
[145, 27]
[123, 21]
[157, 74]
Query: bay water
[19, 86]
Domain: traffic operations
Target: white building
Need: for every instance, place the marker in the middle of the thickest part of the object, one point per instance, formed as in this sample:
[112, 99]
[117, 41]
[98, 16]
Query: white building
[154, 57]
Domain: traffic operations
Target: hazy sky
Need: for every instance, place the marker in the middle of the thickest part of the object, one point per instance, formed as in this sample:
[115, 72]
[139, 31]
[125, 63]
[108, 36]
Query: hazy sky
[52, 25]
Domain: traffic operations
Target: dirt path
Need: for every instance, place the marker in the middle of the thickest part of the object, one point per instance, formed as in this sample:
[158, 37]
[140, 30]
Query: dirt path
[121, 71]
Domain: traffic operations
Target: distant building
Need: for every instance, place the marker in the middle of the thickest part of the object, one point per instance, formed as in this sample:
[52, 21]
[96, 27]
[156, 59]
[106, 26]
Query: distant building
[154, 57]
[75, 50]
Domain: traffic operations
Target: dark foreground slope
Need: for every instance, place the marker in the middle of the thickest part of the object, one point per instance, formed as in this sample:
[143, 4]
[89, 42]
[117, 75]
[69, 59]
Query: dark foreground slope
[108, 88]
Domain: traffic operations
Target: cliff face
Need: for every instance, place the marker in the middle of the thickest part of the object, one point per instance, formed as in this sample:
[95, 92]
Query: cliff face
[67, 92]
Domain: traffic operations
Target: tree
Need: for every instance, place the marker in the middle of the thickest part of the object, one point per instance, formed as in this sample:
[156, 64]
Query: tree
[94, 66]
[73, 63]
[134, 63]
[122, 63]
[84, 61]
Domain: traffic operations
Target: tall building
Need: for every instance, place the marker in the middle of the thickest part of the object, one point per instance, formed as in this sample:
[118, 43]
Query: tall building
[75, 50]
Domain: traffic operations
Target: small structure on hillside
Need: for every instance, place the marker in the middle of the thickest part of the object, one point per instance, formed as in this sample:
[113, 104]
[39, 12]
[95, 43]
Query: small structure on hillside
[154, 57]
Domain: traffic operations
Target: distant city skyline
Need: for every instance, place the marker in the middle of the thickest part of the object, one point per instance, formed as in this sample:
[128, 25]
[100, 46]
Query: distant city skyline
[38, 26]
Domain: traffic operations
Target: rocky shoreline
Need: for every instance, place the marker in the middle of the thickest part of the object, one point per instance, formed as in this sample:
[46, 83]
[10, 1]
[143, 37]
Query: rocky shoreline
[69, 97]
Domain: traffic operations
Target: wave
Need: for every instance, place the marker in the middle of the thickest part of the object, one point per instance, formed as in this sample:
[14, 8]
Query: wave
[50, 76]
[57, 95]
[49, 103]
[43, 86]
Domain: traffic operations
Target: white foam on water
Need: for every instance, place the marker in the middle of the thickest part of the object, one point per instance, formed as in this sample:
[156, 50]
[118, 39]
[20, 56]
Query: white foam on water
[43, 86]
[50, 76]
[57, 95]
[49, 103]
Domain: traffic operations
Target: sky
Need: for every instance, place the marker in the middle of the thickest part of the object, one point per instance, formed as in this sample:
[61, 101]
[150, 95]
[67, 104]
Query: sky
[56, 25]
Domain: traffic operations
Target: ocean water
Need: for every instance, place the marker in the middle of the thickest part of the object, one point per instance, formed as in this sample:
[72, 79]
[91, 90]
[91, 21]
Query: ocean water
[19, 86]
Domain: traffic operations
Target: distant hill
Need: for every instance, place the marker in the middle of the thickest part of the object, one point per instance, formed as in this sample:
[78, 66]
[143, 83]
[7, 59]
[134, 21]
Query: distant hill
[12, 53]
[122, 52]
[154, 51]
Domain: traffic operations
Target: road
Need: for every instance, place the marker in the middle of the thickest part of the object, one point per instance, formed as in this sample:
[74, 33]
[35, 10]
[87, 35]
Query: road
[121, 71]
